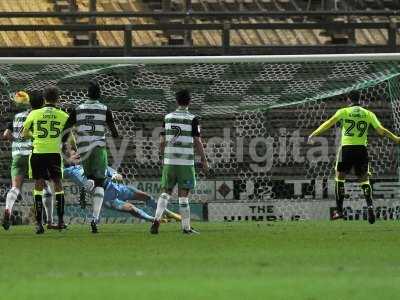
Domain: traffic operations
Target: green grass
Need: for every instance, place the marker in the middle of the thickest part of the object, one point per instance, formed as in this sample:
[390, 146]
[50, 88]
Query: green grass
[282, 260]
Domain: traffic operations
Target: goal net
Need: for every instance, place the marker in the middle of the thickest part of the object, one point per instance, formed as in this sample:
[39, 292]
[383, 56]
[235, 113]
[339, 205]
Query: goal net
[256, 113]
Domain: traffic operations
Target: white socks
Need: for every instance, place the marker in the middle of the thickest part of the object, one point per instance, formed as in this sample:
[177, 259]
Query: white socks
[162, 204]
[48, 204]
[97, 202]
[184, 210]
[12, 196]
[13, 193]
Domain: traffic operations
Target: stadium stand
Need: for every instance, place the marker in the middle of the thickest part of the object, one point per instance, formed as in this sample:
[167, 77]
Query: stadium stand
[31, 38]
[140, 38]
[241, 37]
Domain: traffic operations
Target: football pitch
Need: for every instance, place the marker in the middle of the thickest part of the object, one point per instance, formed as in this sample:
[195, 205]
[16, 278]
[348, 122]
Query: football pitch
[278, 260]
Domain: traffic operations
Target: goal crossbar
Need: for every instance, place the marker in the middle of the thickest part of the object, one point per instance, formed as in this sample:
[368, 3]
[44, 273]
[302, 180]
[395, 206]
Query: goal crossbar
[204, 59]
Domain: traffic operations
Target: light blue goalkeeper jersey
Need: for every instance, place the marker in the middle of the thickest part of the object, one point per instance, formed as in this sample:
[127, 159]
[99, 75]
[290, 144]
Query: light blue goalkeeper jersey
[115, 194]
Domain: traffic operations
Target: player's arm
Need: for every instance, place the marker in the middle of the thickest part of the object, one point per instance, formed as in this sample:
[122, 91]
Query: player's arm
[111, 124]
[71, 142]
[162, 145]
[75, 175]
[70, 145]
[198, 143]
[26, 132]
[110, 172]
[7, 134]
[72, 157]
[381, 130]
[71, 121]
[162, 141]
[113, 174]
[325, 126]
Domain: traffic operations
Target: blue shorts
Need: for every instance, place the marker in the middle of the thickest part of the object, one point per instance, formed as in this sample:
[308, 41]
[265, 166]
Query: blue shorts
[115, 204]
[116, 195]
[126, 192]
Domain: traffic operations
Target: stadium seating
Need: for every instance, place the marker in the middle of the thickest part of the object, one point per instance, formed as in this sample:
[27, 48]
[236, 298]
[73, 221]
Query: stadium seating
[199, 38]
[255, 37]
[29, 38]
[140, 38]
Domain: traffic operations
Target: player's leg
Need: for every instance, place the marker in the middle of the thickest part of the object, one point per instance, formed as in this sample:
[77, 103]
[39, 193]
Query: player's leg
[171, 215]
[48, 206]
[343, 166]
[162, 204]
[38, 170]
[186, 183]
[82, 197]
[75, 174]
[14, 192]
[60, 202]
[168, 181]
[89, 173]
[127, 207]
[38, 204]
[19, 169]
[340, 180]
[97, 197]
[12, 196]
[130, 193]
[362, 172]
[184, 209]
[367, 190]
[56, 175]
[95, 166]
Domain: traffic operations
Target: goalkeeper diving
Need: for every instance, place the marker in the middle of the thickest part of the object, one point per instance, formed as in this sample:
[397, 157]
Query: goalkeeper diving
[355, 122]
[116, 195]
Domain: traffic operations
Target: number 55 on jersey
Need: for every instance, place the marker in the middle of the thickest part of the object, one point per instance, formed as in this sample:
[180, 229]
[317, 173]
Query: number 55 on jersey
[46, 125]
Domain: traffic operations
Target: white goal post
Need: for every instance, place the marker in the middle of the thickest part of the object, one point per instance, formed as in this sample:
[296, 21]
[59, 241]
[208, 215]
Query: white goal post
[204, 59]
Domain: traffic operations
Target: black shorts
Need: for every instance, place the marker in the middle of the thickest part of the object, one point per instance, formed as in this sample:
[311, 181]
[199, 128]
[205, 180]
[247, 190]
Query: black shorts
[45, 166]
[353, 156]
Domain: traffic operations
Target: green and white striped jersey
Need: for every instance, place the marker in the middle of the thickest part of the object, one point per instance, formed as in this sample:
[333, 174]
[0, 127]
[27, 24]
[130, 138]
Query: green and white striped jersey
[91, 118]
[91, 125]
[20, 146]
[180, 127]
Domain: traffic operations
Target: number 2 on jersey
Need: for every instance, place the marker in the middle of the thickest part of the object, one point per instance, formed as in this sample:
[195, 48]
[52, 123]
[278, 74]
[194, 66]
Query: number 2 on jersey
[89, 121]
[361, 126]
[178, 132]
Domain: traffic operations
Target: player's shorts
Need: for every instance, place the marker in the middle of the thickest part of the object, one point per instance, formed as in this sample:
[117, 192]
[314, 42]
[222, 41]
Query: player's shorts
[353, 156]
[95, 163]
[45, 166]
[183, 176]
[126, 193]
[20, 166]
[115, 204]
[116, 195]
